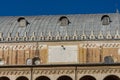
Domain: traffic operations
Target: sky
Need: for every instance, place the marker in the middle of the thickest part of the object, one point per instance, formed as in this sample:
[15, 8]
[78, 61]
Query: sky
[56, 7]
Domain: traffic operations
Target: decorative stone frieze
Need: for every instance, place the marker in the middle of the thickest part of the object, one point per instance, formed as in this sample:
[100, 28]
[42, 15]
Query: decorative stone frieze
[25, 37]
[58, 37]
[83, 36]
[117, 35]
[33, 37]
[104, 45]
[92, 36]
[49, 37]
[89, 45]
[17, 37]
[108, 36]
[14, 72]
[49, 72]
[98, 71]
[66, 37]
[100, 35]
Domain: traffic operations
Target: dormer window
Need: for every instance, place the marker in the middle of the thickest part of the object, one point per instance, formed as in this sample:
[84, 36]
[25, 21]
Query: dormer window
[64, 21]
[22, 22]
[105, 20]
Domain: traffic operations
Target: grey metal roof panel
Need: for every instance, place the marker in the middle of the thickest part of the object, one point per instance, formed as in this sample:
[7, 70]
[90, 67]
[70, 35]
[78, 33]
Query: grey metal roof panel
[49, 23]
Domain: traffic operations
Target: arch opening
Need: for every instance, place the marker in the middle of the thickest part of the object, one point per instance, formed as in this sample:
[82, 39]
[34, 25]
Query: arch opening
[87, 78]
[22, 78]
[42, 78]
[111, 77]
[4, 78]
[64, 78]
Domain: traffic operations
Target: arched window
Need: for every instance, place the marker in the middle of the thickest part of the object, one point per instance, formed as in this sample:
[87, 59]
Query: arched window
[4, 78]
[111, 77]
[64, 21]
[87, 78]
[42, 78]
[22, 22]
[105, 20]
[64, 78]
[22, 78]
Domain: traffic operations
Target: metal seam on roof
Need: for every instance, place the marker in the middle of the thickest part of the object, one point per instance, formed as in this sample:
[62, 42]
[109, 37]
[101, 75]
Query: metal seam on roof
[42, 25]
[49, 27]
[39, 27]
[31, 25]
[36, 26]
[5, 27]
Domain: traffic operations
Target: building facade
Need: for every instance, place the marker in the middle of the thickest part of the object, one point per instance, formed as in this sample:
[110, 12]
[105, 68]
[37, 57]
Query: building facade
[60, 47]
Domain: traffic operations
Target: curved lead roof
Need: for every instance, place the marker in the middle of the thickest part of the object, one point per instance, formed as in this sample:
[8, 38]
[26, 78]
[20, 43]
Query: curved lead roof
[50, 24]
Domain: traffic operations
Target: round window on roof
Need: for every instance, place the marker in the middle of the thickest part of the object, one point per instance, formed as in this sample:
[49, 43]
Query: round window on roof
[64, 21]
[22, 22]
[105, 20]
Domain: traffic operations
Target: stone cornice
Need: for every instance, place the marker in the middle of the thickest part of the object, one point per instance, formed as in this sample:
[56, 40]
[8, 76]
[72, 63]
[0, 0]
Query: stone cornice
[58, 37]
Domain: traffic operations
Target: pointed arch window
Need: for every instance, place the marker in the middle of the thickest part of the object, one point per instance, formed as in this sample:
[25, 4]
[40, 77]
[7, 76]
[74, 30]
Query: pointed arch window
[105, 20]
